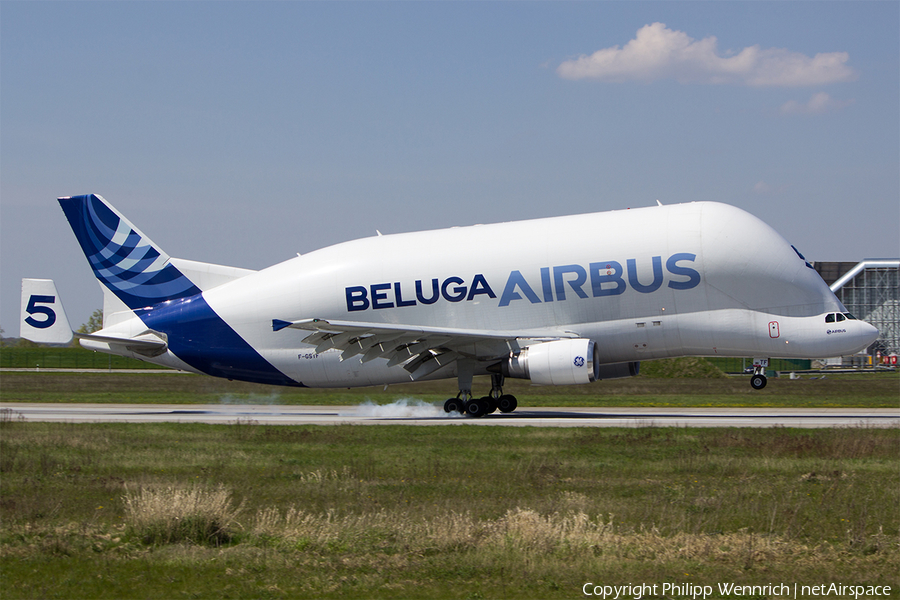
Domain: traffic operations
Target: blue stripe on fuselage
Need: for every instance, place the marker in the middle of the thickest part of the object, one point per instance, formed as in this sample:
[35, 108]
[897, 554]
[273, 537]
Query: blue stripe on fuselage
[202, 339]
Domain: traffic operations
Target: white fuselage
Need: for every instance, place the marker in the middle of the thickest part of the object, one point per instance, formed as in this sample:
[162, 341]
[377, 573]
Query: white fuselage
[699, 279]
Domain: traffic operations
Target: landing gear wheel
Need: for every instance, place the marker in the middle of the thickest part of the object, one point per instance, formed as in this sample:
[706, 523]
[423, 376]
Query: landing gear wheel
[477, 407]
[455, 405]
[758, 382]
[507, 403]
[491, 404]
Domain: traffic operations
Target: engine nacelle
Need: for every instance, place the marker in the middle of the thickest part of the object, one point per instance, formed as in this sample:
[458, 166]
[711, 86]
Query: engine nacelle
[560, 362]
[619, 370]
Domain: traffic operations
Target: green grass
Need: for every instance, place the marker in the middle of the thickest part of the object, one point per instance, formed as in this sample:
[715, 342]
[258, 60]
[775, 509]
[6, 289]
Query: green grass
[50, 357]
[866, 390]
[246, 510]
[94, 510]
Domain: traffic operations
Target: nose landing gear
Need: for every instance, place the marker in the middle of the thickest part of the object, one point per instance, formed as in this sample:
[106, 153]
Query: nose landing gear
[758, 381]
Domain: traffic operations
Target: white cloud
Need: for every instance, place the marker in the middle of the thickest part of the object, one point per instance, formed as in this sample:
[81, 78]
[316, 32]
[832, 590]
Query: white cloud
[658, 52]
[819, 103]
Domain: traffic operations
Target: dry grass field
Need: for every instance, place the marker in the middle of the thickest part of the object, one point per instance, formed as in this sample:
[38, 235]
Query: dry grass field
[254, 511]
[250, 511]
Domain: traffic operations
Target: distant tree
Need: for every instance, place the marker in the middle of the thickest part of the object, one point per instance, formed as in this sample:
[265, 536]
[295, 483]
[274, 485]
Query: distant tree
[95, 323]
[15, 342]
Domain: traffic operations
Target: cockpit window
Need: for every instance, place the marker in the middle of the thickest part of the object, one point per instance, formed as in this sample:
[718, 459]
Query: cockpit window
[832, 317]
[803, 258]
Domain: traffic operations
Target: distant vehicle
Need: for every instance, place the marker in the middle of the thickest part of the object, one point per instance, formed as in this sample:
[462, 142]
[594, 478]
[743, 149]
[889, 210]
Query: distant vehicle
[558, 301]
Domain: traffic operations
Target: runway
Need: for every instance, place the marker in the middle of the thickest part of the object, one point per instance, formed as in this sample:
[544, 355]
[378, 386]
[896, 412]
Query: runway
[419, 413]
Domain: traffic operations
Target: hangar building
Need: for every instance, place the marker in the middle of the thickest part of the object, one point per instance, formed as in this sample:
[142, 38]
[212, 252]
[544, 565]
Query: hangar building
[871, 291]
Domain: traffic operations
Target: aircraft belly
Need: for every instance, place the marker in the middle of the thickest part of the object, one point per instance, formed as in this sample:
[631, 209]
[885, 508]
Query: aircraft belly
[325, 369]
[756, 333]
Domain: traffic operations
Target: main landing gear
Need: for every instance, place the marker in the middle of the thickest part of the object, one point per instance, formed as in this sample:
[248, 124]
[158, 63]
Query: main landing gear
[758, 381]
[465, 404]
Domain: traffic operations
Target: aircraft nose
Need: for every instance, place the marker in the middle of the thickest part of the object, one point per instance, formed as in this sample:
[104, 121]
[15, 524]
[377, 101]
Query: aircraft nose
[867, 333]
[862, 334]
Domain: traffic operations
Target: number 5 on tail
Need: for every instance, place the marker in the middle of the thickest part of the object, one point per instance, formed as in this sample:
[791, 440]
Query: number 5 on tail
[43, 318]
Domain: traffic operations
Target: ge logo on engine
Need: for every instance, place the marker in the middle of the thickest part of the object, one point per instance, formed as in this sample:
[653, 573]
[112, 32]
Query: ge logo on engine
[579, 361]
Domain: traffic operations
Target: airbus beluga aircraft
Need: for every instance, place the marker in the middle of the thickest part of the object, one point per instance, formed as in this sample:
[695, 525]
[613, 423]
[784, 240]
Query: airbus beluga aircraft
[559, 301]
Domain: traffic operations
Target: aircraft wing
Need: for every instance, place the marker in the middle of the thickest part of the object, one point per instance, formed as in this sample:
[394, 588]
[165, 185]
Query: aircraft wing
[420, 349]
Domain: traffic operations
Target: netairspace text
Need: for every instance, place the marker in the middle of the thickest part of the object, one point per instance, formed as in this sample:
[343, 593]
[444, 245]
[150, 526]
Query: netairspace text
[638, 591]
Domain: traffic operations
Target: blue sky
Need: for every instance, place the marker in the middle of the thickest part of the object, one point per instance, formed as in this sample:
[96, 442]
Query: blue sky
[243, 133]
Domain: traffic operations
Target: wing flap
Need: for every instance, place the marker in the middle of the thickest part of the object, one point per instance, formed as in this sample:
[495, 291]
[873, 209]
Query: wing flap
[359, 327]
[420, 349]
[427, 363]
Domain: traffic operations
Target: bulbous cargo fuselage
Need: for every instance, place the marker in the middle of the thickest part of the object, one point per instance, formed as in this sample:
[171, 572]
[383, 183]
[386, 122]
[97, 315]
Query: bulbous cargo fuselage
[690, 279]
[699, 279]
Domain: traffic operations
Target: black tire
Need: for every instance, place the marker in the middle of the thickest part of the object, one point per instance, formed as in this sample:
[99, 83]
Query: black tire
[477, 407]
[491, 404]
[455, 405]
[507, 403]
[758, 382]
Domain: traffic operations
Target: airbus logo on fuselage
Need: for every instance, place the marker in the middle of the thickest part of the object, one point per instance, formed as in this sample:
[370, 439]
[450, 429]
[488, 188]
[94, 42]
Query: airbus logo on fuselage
[557, 284]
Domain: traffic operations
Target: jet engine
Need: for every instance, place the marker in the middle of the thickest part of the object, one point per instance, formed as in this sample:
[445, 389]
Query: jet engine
[560, 362]
[619, 370]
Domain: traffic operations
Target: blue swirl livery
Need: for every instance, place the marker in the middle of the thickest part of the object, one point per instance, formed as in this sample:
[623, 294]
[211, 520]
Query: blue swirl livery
[175, 324]
[123, 258]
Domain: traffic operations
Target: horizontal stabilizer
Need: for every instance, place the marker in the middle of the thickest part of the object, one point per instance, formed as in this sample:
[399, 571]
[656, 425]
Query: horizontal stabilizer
[148, 344]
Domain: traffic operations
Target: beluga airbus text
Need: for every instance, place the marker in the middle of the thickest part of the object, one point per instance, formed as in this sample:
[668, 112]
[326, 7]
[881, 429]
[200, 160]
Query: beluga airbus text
[559, 301]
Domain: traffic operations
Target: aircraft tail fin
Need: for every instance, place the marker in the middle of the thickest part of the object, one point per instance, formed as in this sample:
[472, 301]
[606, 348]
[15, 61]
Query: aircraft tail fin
[43, 318]
[124, 259]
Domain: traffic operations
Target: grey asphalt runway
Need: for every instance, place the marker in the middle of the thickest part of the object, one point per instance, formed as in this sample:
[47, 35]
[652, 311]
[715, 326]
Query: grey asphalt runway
[403, 413]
